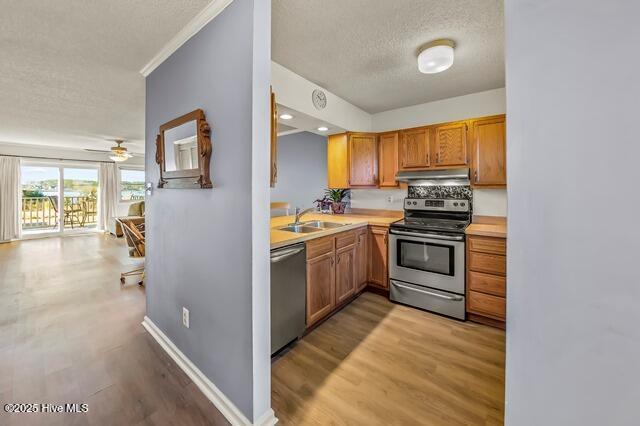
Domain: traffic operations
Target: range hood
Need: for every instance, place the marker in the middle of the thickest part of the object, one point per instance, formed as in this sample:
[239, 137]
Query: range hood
[449, 177]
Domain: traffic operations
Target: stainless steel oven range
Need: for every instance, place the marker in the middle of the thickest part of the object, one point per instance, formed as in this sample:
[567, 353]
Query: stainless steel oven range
[427, 254]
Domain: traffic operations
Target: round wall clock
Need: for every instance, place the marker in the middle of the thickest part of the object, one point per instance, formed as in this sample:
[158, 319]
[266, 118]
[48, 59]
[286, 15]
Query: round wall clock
[319, 99]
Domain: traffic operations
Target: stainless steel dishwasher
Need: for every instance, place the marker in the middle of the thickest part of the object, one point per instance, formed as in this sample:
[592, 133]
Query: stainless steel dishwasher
[288, 295]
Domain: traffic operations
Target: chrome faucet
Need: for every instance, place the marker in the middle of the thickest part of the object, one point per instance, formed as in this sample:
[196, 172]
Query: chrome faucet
[299, 214]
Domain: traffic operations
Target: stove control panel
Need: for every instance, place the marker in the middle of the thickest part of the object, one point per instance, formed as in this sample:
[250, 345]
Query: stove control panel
[448, 205]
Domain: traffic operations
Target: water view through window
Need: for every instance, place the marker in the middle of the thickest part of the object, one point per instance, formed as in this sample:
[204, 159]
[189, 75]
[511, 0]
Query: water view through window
[42, 208]
[131, 185]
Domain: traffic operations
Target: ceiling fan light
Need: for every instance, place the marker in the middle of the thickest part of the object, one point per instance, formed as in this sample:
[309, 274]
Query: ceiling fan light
[436, 57]
[119, 158]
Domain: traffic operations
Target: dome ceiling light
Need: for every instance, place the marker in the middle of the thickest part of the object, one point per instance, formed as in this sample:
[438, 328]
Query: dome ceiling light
[436, 56]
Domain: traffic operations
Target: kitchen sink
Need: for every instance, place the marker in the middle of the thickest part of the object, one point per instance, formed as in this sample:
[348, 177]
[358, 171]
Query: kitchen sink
[300, 229]
[324, 225]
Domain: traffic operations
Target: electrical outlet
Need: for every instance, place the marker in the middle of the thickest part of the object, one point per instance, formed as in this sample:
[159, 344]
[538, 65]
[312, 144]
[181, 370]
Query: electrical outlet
[390, 199]
[185, 317]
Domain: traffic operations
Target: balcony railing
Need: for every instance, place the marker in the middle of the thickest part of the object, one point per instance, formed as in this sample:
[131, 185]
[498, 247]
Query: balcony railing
[39, 213]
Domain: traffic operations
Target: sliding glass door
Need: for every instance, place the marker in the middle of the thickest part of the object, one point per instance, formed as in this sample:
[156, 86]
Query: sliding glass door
[40, 199]
[57, 198]
[80, 198]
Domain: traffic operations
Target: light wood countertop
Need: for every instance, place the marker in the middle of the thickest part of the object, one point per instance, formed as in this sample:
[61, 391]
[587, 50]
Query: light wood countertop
[488, 226]
[352, 221]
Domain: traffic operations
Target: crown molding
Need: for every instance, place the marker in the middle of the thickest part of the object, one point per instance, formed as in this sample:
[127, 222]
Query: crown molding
[207, 14]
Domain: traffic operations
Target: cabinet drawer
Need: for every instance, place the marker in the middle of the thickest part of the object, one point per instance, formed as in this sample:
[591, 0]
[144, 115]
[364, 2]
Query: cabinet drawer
[485, 283]
[345, 239]
[488, 245]
[486, 304]
[319, 246]
[489, 263]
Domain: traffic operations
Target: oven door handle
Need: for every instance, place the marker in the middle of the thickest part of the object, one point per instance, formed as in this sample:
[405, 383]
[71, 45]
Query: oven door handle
[429, 293]
[434, 236]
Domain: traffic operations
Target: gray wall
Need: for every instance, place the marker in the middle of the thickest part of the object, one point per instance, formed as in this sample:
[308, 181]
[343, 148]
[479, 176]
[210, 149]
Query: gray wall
[573, 339]
[302, 169]
[199, 242]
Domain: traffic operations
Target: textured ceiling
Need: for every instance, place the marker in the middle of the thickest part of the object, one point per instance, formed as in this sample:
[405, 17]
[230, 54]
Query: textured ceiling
[365, 51]
[69, 69]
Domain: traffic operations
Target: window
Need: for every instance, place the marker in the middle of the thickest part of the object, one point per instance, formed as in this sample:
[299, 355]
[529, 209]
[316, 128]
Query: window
[131, 185]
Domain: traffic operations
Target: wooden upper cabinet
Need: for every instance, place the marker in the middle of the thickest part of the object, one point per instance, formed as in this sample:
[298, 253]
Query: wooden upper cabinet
[489, 152]
[414, 149]
[450, 145]
[345, 273]
[274, 140]
[320, 287]
[378, 254]
[363, 160]
[388, 159]
[337, 161]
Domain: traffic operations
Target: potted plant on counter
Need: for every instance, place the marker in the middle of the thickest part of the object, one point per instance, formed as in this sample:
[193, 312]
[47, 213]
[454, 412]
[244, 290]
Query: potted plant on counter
[338, 199]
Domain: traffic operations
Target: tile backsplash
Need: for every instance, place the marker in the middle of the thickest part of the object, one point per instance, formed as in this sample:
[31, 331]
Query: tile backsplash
[440, 191]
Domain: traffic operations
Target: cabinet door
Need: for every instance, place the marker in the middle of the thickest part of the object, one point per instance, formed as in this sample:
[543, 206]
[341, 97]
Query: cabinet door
[489, 152]
[378, 254]
[345, 273]
[414, 152]
[388, 162]
[363, 160]
[274, 141]
[337, 161]
[450, 145]
[320, 287]
[361, 260]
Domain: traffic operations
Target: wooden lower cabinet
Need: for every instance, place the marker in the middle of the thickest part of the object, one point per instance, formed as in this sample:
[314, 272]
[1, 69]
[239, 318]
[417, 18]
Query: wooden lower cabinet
[341, 265]
[486, 280]
[345, 273]
[361, 259]
[378, 254]
[320, 287]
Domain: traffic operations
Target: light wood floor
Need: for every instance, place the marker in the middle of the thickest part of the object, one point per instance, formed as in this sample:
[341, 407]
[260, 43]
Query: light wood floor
[70, 333]
[380, 363]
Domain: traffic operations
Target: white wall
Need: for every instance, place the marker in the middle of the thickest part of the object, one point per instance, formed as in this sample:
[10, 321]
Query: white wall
[294, 91]
[302, 169]
[486, 202]
[378, 198]
[573, 335]
[491, 102]
[26, 150]
[490, 202]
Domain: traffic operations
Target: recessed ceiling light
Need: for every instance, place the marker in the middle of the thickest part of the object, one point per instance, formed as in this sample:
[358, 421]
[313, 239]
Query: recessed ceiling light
[286, 116]
[436, 56]
[323, 129]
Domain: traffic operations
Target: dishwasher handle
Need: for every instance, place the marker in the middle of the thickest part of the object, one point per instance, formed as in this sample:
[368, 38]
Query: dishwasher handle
[285, 254]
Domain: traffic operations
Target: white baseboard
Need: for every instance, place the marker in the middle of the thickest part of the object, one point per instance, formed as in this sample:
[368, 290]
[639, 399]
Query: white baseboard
[215, 395]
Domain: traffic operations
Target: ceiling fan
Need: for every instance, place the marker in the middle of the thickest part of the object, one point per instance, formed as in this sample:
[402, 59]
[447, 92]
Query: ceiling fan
[118, 153]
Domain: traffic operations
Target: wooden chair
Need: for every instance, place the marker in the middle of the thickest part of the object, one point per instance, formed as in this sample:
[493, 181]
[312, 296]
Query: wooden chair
[134, 235]
[279, 205]
[54, 203]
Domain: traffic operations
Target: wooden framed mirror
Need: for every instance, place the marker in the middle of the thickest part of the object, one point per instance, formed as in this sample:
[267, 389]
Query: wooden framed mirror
[183, 152]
